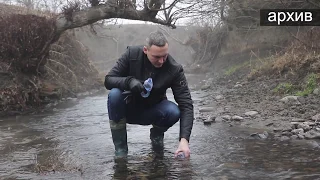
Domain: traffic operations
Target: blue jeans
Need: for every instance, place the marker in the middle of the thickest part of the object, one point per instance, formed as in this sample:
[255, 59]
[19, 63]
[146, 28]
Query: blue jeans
[163, 114]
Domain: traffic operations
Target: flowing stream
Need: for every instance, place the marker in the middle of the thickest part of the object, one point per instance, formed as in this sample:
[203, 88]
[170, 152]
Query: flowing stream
[74, 142]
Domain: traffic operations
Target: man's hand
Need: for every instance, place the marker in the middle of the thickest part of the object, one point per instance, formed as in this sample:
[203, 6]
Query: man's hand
[183, 147]
[135, 86]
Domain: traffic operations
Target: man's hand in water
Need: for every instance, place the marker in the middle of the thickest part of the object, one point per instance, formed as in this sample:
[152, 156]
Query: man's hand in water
[183, 147]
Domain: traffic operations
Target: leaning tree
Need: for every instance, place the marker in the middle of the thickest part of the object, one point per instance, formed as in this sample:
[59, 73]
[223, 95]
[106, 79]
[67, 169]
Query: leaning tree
[25, 39]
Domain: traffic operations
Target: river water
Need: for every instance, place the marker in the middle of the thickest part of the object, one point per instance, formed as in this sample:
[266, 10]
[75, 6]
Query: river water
[74, 142]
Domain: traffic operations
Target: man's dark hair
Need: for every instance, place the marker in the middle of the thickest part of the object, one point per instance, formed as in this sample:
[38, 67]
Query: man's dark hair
[156, 38]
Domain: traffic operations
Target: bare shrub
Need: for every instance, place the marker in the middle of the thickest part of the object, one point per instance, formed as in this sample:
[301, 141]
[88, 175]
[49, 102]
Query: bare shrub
[302, 55]
[236, 30]
[68, 65]
[300, 58]
[24, 40]
[208, 43]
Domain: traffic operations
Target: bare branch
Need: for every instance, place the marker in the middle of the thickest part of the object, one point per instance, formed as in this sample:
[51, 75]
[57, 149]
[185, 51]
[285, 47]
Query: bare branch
[94, 14]
[174, 38]
[94, 2]
[164, 8]
[313, 3]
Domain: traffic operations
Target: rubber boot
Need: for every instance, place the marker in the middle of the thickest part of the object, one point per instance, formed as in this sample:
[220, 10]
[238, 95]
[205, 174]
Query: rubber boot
[119, 137]
[156, 137]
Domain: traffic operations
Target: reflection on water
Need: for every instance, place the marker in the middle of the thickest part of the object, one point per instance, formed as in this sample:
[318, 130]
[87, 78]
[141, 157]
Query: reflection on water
[74, 142]
[153, 166]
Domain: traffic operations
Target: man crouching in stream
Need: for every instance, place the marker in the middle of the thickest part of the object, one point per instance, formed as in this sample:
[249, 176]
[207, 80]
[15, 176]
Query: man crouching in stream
[129, 102]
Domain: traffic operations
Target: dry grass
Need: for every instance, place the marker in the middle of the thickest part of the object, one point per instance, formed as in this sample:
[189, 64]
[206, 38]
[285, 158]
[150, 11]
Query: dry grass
[302, 56]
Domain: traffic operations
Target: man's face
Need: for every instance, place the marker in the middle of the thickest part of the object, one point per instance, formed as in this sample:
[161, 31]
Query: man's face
[157, 55]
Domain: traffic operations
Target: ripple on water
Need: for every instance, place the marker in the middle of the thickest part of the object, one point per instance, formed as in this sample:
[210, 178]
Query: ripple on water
[75, 142]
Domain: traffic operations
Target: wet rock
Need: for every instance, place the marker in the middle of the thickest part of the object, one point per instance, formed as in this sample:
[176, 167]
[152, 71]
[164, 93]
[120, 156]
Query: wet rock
[238, 85]
[298, 131]
[304, 126]
[316, 117]
[198, 119]
[277, 136]
[311, 123]
[207, 109]
[290, 100]
[263, 135]
[286, 133]
[312, 135]
[284, 138]
[219, 97]
[226, 117]
[218, 119]
[71, 99]
[270, 124]
[287, 127]
[205, 87]
[298, 120]
[302, 100]
[48, 105]
[192, 88]
[316, 91]
[201, 118]
[209, 120]
[294, 137]
[83, 94]
[220, 109]
[277, 129]
[255, 135]
[251, 113]
[237, 118]
[294, 125]
[210, 79]
[300, 136]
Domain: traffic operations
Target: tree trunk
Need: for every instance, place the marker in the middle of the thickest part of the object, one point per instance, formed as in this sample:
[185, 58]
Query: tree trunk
[100, 12]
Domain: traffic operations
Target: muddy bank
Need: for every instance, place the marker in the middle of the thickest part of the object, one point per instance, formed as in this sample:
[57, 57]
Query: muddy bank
[66, 73]
[253, 104]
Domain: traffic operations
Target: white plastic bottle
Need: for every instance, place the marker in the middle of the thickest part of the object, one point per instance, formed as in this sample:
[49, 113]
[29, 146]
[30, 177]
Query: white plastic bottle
[148, 84]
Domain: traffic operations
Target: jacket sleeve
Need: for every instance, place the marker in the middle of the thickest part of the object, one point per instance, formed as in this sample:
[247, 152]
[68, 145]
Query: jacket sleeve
[118, 75]
[182, 96]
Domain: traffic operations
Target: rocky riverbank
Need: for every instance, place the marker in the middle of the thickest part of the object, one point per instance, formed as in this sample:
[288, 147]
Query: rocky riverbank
[253, 104]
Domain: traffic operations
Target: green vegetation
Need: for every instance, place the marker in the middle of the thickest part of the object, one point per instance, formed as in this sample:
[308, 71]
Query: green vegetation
[235, 68]
[309, 86]
[306, 88]
[284, 88]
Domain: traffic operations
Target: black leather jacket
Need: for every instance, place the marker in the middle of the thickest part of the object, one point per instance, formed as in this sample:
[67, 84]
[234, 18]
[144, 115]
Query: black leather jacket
[134, 63]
